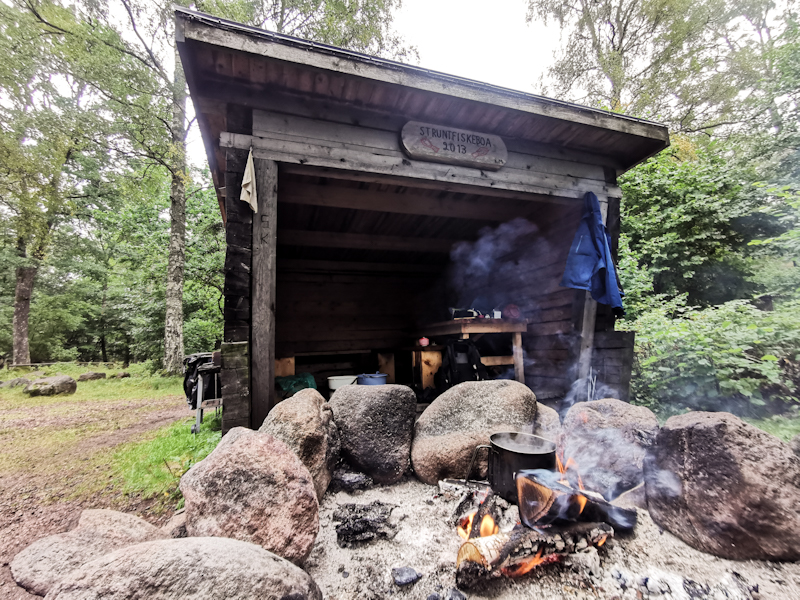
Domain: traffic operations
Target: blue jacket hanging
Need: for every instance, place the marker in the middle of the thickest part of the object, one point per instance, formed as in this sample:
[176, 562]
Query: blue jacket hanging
[589, 264]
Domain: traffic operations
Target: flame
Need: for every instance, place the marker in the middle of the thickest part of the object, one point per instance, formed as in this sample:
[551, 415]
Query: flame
[560, 465]
[603, 541]
[520, 569]
[465, 526]
[563, 468]
[488, 526]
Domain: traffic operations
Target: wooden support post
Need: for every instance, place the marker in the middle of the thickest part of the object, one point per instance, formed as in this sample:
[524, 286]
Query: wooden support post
[284, 367]
[587, 336]
[235, 373]
[429, 363]
[386, 365]
[235, 379]
[519, 365]
[262, 332]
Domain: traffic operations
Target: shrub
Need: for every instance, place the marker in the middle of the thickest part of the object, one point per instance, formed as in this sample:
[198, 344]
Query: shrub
[732, 357]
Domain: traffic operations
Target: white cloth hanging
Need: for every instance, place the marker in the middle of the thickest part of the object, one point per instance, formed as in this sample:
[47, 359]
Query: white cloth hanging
[249, 194]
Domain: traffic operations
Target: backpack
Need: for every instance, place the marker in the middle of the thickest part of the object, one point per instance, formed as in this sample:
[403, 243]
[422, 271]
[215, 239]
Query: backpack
[461, 362]
[191, 378]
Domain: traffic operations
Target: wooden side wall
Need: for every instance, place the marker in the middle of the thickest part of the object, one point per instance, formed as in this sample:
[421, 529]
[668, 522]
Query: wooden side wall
[235, 374]
[613, 362]
[340, 312]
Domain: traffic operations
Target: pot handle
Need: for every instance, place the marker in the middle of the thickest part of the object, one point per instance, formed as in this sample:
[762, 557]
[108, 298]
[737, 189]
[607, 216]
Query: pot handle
[472, 462]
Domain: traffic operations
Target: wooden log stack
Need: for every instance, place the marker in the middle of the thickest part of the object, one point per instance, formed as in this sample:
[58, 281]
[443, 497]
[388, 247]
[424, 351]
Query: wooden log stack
[514, 553]
[558, 520]
[544, 501]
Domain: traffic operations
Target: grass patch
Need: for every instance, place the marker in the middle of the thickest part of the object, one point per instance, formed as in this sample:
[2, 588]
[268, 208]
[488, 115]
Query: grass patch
[38, 446]
[105, 390]
[782, 427]
[153, 468]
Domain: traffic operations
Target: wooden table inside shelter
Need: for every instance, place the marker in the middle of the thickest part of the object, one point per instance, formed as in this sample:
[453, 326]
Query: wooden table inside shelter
[465, 328]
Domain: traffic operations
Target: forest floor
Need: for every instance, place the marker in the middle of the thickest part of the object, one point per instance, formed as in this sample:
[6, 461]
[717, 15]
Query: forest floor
[123, 444]
[59, 454]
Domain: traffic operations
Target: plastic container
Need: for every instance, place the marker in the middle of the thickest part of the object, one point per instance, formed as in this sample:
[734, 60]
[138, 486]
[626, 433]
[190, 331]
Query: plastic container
[334, 383]
[372, 379]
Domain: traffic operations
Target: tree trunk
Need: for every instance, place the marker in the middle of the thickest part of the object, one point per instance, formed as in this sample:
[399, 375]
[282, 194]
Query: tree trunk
[173, 326]
[22, 310]
[103, 352]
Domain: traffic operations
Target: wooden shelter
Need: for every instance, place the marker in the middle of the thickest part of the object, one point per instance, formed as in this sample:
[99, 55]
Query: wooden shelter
[369, 174]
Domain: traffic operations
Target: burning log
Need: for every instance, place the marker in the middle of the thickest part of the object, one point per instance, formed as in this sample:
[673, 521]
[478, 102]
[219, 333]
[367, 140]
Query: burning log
[544, 500]
[484, 523]
[514, 553]
[484, 519]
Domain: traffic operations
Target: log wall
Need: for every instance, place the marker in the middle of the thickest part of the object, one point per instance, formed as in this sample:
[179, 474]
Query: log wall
[235, 373]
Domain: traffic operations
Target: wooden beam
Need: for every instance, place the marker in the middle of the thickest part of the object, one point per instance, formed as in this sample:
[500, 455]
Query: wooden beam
[291, 102]
[354, 157]
[470, 326]
[334, 266]
[262, 334]
[455, 186]
[497, 361]
[480, 208]
[360, 241]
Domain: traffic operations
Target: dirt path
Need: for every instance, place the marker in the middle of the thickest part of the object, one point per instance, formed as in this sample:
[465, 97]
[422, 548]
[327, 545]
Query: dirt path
[52, 467]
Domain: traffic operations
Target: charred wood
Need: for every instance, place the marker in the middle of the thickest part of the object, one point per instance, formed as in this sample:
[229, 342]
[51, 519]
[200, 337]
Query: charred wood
[488, 511]
[543, 500]
[512, 554]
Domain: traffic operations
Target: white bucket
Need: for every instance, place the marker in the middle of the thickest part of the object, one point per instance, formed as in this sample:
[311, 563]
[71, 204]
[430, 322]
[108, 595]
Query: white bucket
[334, 383]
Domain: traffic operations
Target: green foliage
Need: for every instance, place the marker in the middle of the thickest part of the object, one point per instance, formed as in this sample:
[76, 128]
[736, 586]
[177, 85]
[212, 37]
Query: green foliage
[153, 468]
[688, 216]
[361, 25]
[782, 427]
[700, 66]
[731, 357]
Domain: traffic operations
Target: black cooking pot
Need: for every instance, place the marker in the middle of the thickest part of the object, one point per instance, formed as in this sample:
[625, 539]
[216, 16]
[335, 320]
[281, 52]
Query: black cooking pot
[511, 452]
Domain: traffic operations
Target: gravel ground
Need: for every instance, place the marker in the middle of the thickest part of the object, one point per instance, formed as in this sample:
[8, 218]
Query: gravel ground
[648, 564]
[53, 467]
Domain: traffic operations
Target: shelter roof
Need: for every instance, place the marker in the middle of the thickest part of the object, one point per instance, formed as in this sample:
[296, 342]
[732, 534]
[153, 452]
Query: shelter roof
[227, 62]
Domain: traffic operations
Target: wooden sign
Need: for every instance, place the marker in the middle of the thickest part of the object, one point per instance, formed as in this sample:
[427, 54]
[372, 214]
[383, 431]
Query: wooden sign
[439, 143]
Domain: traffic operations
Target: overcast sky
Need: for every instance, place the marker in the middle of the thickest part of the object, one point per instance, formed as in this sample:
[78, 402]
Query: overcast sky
[485, 40]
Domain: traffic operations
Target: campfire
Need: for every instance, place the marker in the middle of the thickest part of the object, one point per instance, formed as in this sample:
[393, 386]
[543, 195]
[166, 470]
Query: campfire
[557, 516]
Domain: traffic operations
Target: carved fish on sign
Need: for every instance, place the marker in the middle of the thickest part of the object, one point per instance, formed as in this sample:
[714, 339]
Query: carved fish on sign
[440, 143]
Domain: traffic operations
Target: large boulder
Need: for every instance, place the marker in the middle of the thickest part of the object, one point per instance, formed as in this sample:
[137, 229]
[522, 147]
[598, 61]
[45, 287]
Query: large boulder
[51, 386]
[252, 487]
[608, 439]
[547, 423]
[376, 424]
[203, 568]
[464, 417]
[42, 564]
[725, 487]
[16, 382]
[305, 423]
[91, 376]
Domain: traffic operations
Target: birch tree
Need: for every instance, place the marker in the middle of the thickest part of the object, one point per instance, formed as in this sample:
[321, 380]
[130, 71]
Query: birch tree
[53, 138]
[698, 66]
